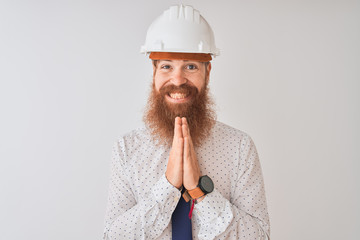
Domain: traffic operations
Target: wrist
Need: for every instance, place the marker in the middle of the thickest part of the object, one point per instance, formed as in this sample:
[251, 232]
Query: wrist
[191, 182]
[191, 187]
[204, 187]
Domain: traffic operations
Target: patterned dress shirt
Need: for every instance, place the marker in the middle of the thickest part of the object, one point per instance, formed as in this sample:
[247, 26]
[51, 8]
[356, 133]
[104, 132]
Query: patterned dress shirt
[141, 200]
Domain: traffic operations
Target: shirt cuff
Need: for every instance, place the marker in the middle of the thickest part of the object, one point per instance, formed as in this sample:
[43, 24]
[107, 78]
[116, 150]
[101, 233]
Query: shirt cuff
[212, 206]
[165, 193]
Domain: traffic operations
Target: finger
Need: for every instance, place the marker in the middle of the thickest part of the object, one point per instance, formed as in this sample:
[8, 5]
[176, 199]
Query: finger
[179, 150]
[177, 128]
[187, 151]
[186, 132]
[178, 142]
[185, 128]
[190, 159]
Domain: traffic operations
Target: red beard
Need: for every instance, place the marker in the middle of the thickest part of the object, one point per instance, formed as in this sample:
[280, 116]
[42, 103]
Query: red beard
[160, 114]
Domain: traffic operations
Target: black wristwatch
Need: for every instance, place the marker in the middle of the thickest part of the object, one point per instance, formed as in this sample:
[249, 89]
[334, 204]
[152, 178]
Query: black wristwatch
[206, 184]
[204, 187]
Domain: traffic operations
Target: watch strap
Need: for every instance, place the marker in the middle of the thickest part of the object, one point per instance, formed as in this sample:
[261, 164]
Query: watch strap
[193, 194]
[196, 193]
[186, 196]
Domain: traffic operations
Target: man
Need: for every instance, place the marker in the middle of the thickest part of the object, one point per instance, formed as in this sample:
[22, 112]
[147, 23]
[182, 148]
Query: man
[184, 176]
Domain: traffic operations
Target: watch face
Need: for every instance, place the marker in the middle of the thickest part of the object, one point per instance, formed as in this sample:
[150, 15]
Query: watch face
[206, 184]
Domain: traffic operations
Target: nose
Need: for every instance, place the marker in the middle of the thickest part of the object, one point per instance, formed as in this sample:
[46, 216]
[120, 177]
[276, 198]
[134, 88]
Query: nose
[178, 77]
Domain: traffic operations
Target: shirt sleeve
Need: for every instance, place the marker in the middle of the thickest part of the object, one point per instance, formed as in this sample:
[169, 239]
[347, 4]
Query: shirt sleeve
[128, 219]
[245, 215]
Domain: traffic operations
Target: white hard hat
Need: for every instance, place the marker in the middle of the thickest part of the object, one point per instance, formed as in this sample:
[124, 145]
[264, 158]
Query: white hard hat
[180, 29]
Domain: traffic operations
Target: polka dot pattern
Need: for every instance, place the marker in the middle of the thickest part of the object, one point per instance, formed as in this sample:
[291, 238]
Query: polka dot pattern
[141, 200]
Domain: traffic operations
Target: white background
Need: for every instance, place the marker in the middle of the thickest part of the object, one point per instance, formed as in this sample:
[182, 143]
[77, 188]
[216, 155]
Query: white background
[72, 81]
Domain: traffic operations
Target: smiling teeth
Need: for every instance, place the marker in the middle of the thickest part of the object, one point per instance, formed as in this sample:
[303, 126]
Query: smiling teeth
[177, 95]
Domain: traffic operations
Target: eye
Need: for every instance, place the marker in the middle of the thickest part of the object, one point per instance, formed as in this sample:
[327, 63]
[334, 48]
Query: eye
[165, 66]
[191, 67]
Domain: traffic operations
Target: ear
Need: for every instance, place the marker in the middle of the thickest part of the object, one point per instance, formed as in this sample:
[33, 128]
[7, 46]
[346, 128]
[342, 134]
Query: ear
[208, 69]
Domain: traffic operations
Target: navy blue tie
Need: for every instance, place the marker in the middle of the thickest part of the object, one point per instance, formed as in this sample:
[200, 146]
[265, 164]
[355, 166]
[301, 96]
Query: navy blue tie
[181, 223]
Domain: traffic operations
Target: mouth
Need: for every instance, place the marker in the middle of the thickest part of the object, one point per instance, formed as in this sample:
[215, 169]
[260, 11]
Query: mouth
[178, 97]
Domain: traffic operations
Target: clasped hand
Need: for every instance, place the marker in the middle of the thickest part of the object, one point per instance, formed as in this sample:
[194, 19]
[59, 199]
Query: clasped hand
[183, 167]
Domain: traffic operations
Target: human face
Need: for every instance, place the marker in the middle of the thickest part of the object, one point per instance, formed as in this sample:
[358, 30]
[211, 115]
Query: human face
[179, 72]
[180, 88]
